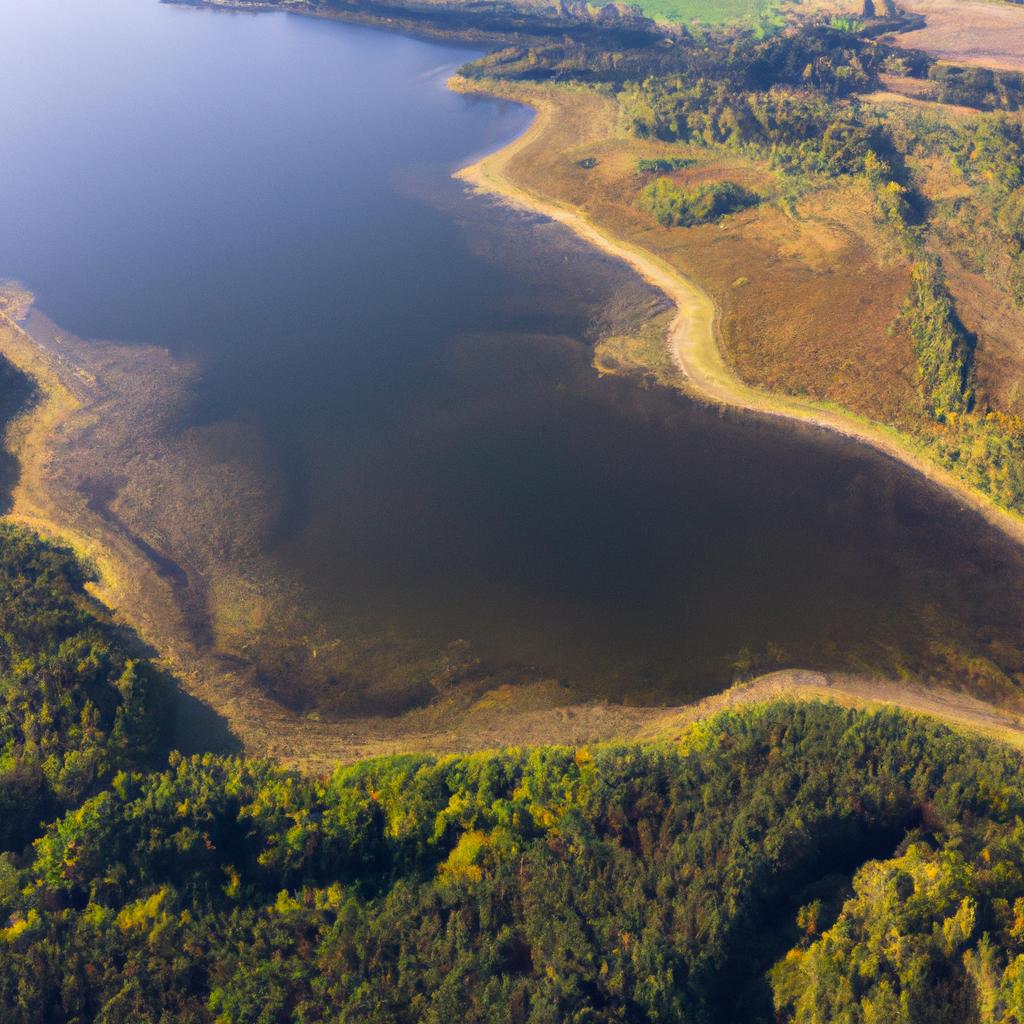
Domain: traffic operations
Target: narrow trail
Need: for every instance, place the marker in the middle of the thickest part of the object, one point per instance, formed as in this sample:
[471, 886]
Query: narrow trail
[952, 707]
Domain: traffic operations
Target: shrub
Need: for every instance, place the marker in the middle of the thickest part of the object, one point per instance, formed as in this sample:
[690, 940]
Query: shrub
[664, 165]
[674, 206]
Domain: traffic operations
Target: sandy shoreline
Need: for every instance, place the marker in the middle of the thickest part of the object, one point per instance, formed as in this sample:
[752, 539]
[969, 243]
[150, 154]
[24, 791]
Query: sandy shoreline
[73, 389]
[693, 334]
[80, 385]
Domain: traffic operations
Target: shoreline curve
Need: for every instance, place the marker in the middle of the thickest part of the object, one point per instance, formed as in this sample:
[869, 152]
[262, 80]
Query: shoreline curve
[692, 336]
[290, 738]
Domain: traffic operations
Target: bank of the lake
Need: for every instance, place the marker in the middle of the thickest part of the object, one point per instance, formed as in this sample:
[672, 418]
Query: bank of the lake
[72, 387]
[348, 465]
[692, 336]
[68, 381]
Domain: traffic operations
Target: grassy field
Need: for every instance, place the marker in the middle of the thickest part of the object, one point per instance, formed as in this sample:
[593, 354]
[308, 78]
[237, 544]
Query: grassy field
[775, 277]
[711, 12]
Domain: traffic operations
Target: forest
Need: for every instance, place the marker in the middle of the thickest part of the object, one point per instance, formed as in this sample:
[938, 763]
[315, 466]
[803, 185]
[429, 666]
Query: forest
[75, 707]
[790, 862]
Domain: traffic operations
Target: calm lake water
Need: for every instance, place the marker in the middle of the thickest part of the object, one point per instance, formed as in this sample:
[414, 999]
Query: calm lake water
[271, 196]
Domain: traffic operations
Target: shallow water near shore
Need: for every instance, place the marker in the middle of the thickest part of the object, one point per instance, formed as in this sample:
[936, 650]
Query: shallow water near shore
[452, 489]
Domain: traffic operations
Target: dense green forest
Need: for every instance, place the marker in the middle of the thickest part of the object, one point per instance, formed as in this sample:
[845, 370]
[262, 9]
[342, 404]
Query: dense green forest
[75, 707]
[840, 62]
[791, 862]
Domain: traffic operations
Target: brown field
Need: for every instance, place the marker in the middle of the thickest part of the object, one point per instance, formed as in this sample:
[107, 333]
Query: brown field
[914, 94]
[988, 35]
[984, 307]
[805, 298]
[999, 327]
[806, 290]
[984, 33]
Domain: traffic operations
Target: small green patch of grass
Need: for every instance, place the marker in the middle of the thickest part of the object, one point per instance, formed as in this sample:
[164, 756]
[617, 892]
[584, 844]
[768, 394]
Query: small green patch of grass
[645, 352]
[712, 12]
[664, 166]
[673, 206]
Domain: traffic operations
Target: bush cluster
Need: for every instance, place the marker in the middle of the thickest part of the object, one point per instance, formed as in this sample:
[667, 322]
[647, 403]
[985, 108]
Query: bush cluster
[674, 206]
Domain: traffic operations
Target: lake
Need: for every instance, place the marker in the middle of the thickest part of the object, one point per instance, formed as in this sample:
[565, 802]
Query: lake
[270, 197]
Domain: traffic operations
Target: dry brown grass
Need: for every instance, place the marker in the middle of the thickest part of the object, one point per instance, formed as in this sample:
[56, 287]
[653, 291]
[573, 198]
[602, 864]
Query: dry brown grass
[807, 292]
[915, 94]
[806, 300]
[984, 306]
[990, 316]
[984, 34]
